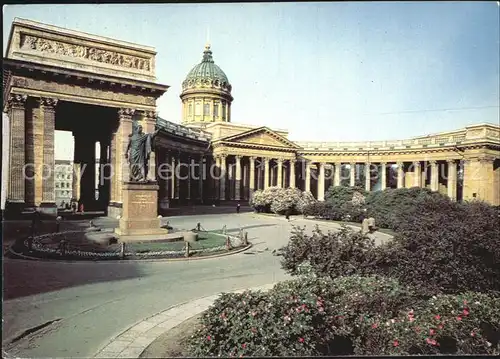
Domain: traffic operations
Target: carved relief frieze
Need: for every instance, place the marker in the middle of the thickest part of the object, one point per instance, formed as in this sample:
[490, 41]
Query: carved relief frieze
[83, 91]
[35, 43]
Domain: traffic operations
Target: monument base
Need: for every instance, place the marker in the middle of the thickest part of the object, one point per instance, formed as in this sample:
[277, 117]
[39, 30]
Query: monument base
[139, 220]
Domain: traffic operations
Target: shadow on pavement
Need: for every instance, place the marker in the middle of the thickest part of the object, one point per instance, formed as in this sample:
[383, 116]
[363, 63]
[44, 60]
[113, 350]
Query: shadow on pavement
[27, 277]
[24, 277]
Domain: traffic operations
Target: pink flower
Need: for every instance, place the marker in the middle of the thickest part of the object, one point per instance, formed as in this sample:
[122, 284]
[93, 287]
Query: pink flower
[301, 340]
[243, 345]
[465, 302]
[459, 318]
[395, 343]
[431, 341]
[432, 331]
[440, 326]
[411, 319]
[437, 317]
[209, 337]
[254, 314]
[466, 312]
[472, 334]
[374, 325]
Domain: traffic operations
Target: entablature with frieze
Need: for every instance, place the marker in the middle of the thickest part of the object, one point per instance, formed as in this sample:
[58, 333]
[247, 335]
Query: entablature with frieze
[223, 150]
[83, 90]
[245, 146]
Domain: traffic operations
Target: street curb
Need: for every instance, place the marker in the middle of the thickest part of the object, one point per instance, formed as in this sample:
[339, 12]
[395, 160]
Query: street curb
[133, 260]
[133, 341]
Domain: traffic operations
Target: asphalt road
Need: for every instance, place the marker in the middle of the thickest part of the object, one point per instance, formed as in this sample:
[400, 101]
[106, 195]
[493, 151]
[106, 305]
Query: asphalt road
[84, 305]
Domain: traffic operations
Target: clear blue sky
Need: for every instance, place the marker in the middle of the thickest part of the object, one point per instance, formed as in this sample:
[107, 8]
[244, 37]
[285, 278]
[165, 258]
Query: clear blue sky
[324, 71]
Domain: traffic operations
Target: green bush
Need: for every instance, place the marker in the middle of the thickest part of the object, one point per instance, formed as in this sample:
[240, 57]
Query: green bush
[445, 247]
[387, 206]
[333, 254]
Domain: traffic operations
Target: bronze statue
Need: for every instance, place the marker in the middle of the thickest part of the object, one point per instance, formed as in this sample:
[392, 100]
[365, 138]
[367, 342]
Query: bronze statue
[138, 151]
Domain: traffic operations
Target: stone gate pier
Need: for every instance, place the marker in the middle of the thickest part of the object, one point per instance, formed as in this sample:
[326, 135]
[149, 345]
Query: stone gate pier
[95, 87]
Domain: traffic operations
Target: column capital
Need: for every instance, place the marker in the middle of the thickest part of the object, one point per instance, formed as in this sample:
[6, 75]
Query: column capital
[48, 102]
[293, 161]
[338, 164]
[280, 160]
[150, 115]
[126, 113]
[416, 163]
[383, 163]
[433, 162]
[238, 157]
[16, 101]
[400, 163]
[253, 158]
[266, 159]
[451, 160]
[486, 160]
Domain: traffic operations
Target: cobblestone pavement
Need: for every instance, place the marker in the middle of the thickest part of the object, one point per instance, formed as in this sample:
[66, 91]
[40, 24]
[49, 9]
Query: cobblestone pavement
[77, 308]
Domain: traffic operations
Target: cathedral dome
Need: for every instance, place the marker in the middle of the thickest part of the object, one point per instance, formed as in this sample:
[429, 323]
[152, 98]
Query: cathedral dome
[206, 75]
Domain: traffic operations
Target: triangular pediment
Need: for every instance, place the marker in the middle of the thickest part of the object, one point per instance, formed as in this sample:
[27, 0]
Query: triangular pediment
[262, 136]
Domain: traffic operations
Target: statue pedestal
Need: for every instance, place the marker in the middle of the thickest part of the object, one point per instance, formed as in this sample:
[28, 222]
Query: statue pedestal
[139, 220]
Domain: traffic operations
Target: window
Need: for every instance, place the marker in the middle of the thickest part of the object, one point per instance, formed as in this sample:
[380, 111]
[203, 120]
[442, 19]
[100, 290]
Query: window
[190, 111]
[206, 109]
[198, 109]
[223, 111]
[216, 110]
[57, 184]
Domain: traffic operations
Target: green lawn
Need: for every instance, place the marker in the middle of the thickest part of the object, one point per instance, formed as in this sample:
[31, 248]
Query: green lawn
[205, 240]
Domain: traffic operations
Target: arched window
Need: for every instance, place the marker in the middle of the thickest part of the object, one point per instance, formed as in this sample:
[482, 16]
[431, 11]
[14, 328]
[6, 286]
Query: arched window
[206, 109]
[216, 110]
[190, 111]
[197, 110]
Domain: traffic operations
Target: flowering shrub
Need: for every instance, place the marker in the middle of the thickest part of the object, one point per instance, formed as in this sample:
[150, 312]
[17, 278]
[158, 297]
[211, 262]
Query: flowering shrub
[305, 316]
[334, 254]
[468, 323]
[304, 201]
[279, 200]
[286, 199]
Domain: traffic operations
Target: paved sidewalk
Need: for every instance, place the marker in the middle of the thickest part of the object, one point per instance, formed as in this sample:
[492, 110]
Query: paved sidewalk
[132, 342]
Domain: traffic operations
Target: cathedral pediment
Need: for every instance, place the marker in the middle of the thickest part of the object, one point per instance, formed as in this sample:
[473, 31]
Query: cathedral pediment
[262, 136]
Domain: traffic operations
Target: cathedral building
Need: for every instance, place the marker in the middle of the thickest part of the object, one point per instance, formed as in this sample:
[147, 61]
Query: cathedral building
[98, 88]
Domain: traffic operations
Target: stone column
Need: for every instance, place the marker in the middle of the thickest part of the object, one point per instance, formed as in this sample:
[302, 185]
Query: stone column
[434, 176]
[280, 173]
[245, 183]
[308, 176]
[149, 127]
[122, 137]
[383, 168]
[49, 127]
[292, 174]
[321, 182]
[76, 181]
[367, 177]
[223, 175]
[188, 179]
[417, 172]
[112, 160]
[452, 180]
[237, 179]
[177, 174]
[201, 177]
[174, 179]
[17, 159]
[336, 179]
[401, 175]
[266, 172]
[251, 179]
[352, 174]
